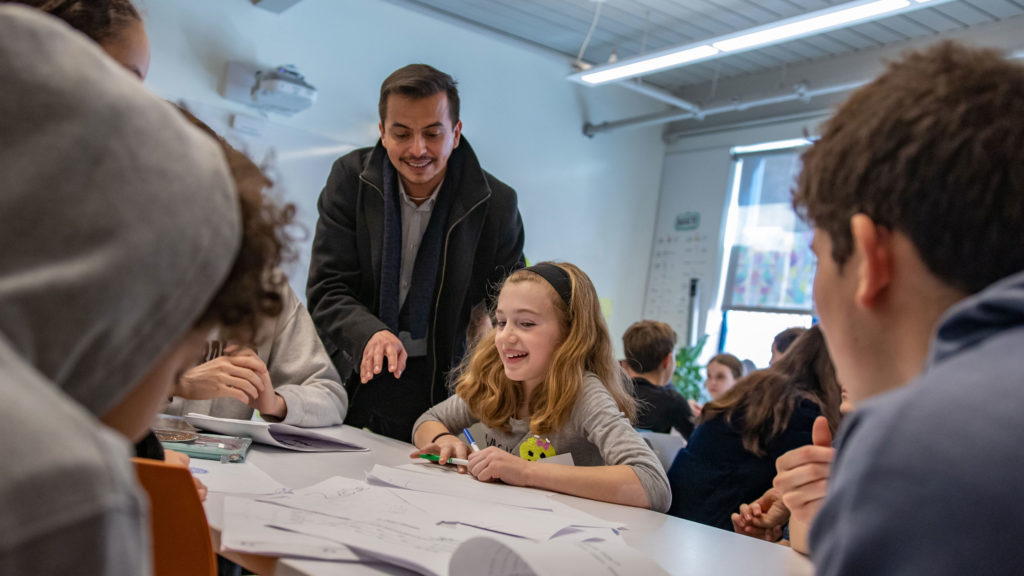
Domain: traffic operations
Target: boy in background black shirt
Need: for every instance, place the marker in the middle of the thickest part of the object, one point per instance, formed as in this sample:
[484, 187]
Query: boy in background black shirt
[649, 347]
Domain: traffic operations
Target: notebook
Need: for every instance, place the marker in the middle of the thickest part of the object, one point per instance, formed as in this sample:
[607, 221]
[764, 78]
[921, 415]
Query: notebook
[273, 434]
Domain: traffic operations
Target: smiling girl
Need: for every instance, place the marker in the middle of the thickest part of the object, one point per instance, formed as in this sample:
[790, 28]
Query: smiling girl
[544, 382]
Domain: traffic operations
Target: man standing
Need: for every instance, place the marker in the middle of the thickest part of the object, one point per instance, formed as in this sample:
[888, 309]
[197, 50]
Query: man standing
[916, 194]
[412, 234]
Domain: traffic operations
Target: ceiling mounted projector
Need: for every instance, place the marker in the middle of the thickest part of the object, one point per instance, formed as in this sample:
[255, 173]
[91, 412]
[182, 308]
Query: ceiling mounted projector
[282, 90]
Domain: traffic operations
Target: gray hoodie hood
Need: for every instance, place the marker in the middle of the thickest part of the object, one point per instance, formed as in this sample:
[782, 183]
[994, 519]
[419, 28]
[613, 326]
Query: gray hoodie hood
[118, 220]
[979, 317]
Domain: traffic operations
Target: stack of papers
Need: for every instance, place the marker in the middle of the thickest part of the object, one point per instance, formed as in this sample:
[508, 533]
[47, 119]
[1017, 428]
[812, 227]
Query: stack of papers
[411, 519]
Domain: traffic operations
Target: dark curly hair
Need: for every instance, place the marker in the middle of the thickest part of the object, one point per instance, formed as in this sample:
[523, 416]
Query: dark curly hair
[101, 20]
[252, 290]
[934, 149]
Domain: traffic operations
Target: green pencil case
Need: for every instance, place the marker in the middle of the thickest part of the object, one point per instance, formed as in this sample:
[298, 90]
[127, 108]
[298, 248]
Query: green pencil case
[213, 447]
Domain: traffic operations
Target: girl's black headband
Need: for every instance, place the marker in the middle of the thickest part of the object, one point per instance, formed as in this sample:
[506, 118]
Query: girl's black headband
[557, 277]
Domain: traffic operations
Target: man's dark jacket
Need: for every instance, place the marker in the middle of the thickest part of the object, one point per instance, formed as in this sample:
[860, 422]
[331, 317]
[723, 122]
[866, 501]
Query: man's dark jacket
[483, 243]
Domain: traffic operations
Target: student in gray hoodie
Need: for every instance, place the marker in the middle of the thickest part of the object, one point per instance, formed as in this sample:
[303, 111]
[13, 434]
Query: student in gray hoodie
[916, 194]
[103, 299]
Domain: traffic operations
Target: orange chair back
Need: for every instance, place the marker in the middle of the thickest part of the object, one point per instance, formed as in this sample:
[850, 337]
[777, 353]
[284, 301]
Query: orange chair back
[181, 536]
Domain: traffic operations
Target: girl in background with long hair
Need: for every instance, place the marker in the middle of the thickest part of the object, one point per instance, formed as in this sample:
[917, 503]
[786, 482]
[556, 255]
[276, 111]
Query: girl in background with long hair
[730, 458]
[544, 382]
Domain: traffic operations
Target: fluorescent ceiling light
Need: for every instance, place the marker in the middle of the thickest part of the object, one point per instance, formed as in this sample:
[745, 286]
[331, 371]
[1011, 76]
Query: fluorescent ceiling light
[839, 16]
[809, 25]
[771, 146]
[648, 65]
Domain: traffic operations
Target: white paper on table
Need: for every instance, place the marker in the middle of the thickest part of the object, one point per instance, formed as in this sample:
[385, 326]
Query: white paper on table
[511, 520]
[273, 434]
[580, 518]
[247, 529]
[415, 530]
[369, 503]
[497, 555]
[461, 486]
[588, 533]
[234, 477]
[333, 488]
[407, 542]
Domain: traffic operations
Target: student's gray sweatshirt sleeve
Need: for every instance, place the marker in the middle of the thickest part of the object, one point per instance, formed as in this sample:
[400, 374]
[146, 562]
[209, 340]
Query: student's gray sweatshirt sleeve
[606, 427]
[453, 413]
[301, 371]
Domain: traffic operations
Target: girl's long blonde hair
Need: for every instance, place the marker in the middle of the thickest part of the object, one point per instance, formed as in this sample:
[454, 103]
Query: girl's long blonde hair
[586, 346]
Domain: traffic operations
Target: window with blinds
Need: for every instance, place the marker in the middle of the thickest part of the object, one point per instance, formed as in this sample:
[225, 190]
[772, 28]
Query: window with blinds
[769, 275]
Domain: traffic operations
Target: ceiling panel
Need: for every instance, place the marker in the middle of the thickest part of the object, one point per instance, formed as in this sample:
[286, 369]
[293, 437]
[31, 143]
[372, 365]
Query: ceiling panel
[629, 28]
[965, 13]
[879, 33]
[935, 20]
[1001, 9]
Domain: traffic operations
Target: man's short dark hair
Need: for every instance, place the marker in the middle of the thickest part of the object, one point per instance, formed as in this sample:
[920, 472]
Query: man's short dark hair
[420, 81]
[646, 344]
[934, 149]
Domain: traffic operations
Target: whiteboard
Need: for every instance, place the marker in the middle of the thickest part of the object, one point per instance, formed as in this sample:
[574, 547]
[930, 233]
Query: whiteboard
[688, 238]
[297, 160]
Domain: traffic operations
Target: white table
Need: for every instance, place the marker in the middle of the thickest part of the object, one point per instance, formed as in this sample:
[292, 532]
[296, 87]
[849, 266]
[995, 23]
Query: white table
[680, 546]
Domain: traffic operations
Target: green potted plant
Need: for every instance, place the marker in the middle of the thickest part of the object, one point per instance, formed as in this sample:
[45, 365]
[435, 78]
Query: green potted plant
[687, 378]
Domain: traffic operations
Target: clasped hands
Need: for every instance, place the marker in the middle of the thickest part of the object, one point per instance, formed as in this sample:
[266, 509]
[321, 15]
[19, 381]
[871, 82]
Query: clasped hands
[797, 494]
[487, 465]
[238, 374]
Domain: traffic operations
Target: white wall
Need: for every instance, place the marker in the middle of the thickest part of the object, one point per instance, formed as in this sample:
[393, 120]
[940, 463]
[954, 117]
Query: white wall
[588, 201]
[698, 177]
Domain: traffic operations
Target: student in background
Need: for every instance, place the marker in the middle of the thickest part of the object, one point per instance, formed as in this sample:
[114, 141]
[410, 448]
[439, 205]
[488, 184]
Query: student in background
[113, 24]
[545, 383]
[103, 300]
[650, 362]
[285, 374]
[783, 340]
[723, 372]
[412, 235]
[730, 458]
[920, 291]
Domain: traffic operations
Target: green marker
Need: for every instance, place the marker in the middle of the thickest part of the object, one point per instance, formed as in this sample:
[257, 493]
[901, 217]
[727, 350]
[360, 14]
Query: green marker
[436, 458]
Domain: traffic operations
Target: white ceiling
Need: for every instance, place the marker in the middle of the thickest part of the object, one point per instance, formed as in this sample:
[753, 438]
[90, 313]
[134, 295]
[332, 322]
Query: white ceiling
[632, 27]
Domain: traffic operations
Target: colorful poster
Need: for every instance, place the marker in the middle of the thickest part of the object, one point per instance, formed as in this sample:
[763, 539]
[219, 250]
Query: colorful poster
[772, 279]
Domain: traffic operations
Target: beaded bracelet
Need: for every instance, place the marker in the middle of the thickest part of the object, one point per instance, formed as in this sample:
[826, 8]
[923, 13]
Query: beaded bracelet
[445, 433]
